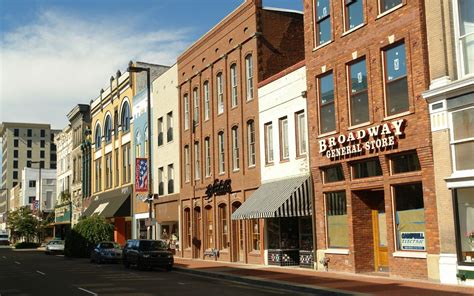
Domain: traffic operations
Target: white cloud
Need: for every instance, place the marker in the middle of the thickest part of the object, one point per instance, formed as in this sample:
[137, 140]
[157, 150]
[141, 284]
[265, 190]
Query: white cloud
[61, 60]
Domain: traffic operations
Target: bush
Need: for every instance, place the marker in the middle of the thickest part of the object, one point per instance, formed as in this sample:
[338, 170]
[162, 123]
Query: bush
[26, 245]
[82, 239]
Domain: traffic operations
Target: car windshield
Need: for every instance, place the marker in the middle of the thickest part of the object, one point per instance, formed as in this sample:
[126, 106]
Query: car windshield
[3, 235]
[110, 246]
[56, 242]
[153, 245]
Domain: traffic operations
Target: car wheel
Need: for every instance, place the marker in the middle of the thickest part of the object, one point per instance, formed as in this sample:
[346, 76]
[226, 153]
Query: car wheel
[169, 267]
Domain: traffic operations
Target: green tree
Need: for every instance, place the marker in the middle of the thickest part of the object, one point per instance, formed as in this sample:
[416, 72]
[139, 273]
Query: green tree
[22, 224]
[86, 234]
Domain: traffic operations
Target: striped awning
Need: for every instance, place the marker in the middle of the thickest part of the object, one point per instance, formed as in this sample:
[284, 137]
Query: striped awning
[290, 197]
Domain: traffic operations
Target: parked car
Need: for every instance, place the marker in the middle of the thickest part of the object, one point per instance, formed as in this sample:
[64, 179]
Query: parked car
[55, 246]
[4, 241]
[147, 254]
[106, 252]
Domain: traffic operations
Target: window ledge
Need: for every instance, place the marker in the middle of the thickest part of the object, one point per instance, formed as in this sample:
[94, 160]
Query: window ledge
[269, 164]
[353, 29]
[322, 45]
[405, 254]
[252, 166]
[327, 134]
[255, 253]
[337, 251]
[301, 156]
[353, 127]
[389, 11]
[397, 115]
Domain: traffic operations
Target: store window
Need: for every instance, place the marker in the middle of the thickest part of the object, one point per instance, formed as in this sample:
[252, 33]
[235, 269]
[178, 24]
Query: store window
[465, 223]
[187, 164]
[405, 162]
[187, 228]
[466, 36]
[221, 155]
[284, 146]
[337, 224]
[268, 142]
[255, 234]
[207, 157]
[209, 228]
[410, 217]
[385, 5]
[252, 153]
[327, 111]
[366, 168]
[224, 230]
[233, 84]
[235, 149]
[353, 13]
[322, 16]
[333, 174]
[396, 84]
[462, 139]
[300, 133]
[359, 99]
[186, 112]
[197, 161]
[220, 94]
[249, 76]
[207, 106]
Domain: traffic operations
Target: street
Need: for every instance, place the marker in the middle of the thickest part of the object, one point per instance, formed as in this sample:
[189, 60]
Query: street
[34, 273]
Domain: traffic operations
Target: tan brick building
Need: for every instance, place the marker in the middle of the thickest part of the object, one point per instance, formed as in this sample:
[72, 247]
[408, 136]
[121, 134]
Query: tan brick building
[370, 144]
[217, 79]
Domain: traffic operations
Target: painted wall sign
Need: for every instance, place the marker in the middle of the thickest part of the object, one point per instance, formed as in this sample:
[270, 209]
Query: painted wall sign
[412, 241]
[381, 136]
[219, 187]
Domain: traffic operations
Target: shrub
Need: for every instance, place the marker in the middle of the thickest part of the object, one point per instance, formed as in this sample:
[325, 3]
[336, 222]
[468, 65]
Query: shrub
[86, 234]
[26, 245]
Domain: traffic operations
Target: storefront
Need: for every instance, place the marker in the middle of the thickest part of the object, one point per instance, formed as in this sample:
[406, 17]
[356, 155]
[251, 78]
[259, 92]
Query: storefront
[62, 221]
[166, 213]
[286, 208]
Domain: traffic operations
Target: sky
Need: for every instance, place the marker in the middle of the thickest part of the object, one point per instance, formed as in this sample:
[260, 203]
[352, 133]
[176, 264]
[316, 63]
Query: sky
[55, 54]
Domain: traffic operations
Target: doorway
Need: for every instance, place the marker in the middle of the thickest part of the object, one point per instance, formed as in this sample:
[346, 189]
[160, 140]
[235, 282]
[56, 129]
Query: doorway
[238, 243]
[197, 233]
[379, 227]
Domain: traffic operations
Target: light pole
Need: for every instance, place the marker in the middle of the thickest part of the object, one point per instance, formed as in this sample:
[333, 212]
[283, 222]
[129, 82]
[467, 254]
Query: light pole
[133, 69]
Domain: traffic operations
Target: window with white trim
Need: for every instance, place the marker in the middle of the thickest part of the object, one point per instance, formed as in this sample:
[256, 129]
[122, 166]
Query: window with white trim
[462, 139]
[207, 107]
[300, 133]
[353, 13]
[465, 36]
[252, 153]
[358, 92]
[322, 21]
[396, 84]
[268, 142]
[235, 149]
[220, 94]
[196, 106]
[207, 157]
[187, 165]
[197, 161]
[385, 5]
[284, 147]
[186, 112]
[233, 84]
[249, 76]
[221, 146]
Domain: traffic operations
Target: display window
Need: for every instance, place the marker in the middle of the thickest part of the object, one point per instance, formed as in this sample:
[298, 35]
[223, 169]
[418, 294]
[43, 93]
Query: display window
[465, 224]
[336, 223]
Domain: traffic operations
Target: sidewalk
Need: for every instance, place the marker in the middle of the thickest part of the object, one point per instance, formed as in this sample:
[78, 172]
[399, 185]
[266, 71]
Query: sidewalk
[320, 282]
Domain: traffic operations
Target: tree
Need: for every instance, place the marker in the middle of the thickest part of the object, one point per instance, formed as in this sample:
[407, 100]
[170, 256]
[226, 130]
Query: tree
[86, 234]
[22, 224]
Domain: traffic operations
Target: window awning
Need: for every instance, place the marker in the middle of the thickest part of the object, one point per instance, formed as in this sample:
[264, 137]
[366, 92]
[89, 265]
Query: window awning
[290, 197]
[114, 203]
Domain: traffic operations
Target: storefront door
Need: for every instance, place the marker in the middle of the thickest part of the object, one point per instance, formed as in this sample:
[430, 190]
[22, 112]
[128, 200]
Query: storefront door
[238, 236]
[197, 233]
[379, 224]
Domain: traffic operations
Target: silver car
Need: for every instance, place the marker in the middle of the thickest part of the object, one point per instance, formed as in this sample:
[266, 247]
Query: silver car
[54, 246]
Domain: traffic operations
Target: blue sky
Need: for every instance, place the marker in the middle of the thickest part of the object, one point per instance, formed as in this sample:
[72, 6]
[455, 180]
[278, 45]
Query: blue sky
[57, 53]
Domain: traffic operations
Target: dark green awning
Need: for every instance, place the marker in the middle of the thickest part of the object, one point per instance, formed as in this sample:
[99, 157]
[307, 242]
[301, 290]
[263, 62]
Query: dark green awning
[114, 203]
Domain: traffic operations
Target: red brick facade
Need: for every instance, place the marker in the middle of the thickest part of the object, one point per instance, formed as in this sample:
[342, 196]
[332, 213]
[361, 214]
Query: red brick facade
[379, 31]
[275, 41]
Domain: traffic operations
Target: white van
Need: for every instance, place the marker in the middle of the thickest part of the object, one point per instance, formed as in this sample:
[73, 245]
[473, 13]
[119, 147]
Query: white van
[4, 241]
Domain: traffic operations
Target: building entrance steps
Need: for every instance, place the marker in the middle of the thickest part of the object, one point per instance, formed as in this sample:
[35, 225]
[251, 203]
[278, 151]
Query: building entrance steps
[316, 282]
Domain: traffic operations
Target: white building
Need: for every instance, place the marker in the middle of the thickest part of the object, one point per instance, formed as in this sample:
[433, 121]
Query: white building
[63, 141]
[30, 178]
[166, 173]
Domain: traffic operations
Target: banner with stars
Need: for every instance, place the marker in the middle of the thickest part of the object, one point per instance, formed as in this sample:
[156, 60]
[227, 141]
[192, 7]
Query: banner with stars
[141, 175]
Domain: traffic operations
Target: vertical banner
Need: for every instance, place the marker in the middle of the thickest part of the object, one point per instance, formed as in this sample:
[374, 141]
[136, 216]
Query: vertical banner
[141, 175]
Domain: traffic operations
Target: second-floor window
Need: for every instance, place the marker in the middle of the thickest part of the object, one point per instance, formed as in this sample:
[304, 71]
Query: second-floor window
[359, 100]
[462, 139]
[252, 153]
[235, 149]
[466, 36]
[327, 116]
[98, 175]
[169, 124]
[268, 142]
[207, 157]
[220, 94]
[161, 184]
[300, 133]
[284, 147]
[126, 164]
[108, 171]
[108, 129]
[186, 112]
[207, 106]
[197, 161]
[187, 165]
[249, 76]
[221, 147]
[385, 5]
[322, 15]
[233, 85]
[160, 131]
[396, 85]
[353, 13]
[196, 106]
[170, 178]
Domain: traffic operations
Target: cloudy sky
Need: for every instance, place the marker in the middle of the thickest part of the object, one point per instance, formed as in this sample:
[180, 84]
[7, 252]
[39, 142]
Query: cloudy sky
[57, 53]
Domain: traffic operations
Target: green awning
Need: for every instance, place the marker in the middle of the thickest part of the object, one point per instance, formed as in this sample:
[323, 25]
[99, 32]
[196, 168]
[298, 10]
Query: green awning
[114, 203]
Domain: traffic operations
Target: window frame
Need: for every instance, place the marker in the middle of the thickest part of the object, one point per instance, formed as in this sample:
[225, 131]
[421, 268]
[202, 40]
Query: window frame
[350, 95]
[384, 12]
[206, 99]
[234, 82]
[255, 236]
[316, 25]
[269, 143]
[251, 143]
[125, 120]
[160, 131]
[453, 142]
[187, 164]
[283, 140]
[326, 221]
[186, 111]
[197, 161]
[460, 57]
[385, 78]
[345, 10]
[209, 231]
[221, 152]
[235, 149]
[207, 157]
[187, 228]
[300, 139]
[169, 130]
[321, 105]
[196, 108]
[249, 77]
[220, 93]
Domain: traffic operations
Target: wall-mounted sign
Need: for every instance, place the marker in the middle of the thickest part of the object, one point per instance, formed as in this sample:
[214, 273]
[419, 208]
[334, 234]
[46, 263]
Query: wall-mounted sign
[412, 241]
[371, 139]
[141, 175]
[219, 187]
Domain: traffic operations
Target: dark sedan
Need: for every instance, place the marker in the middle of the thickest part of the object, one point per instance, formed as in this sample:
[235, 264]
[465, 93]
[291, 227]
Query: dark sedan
[147, 254]
[106, 252]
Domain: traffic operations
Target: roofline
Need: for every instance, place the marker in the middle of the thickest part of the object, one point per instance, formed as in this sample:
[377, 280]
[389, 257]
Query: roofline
[282, 10]
[282, 73]
[5, 125]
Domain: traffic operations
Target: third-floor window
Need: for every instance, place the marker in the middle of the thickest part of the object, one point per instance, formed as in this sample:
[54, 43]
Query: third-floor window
[233, 85]
[358, 94]
[249, 76]
[220, 94]
[327, 117]
[252, 153]
[322, 15]
[207, 107]
[396, 85]
[160, 131]
[169, 124]
[186, 112]
[235, 149]
[195, 106]
[353, 13]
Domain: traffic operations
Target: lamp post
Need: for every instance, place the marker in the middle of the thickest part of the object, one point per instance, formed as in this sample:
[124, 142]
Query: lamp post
[134, 69]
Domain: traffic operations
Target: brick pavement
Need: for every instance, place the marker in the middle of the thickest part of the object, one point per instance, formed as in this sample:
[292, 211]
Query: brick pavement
[306, 280]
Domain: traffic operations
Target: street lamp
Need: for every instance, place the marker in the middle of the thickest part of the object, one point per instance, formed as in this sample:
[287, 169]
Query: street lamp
[134, 69]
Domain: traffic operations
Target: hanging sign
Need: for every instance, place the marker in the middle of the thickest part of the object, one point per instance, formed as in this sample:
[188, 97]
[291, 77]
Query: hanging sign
[371, 139]
[141, 175]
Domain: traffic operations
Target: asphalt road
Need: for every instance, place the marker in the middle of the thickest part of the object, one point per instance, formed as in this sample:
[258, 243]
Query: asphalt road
[34, 273]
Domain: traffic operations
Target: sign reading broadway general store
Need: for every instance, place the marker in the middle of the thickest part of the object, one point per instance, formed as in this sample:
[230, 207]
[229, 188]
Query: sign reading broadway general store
[371, 139]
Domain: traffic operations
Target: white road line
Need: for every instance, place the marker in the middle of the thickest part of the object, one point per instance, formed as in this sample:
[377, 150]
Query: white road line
[42, 273]
[17, 262]
[3, 258]
[87, 291]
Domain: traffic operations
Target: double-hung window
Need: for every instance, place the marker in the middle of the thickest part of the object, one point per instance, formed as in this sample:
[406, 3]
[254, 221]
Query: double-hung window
[207, 107]
[252, 158]
[466, 36]
[268, 142]
[249, 76]
[327, 110]
[385, 5]
[207, 157]
[187, 168]
[300, 133]
[233, 84]
[196, 106]
[221, 147]
[396, 85]
[353, 13]
[284, 145]
[359, 99]
[197, 161]
[322, 15]
[235, 149]
[462, 139]
[186, 112]
[160, 131]
[220, 94]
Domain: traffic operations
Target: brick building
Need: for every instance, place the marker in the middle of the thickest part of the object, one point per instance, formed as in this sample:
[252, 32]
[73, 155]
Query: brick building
[217, 78]
[370, 144]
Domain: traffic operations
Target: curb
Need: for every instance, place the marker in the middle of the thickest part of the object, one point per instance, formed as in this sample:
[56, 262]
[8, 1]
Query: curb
[267, 283]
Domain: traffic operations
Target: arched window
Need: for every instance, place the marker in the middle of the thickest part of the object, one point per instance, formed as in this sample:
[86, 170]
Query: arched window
[125, 117]
[108, 129]
[98, 136]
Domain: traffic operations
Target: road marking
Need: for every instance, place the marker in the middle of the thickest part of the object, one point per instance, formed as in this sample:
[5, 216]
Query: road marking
[17, 262]
[87, 291]
[3, 258]
[182, 283]
[42, 273]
